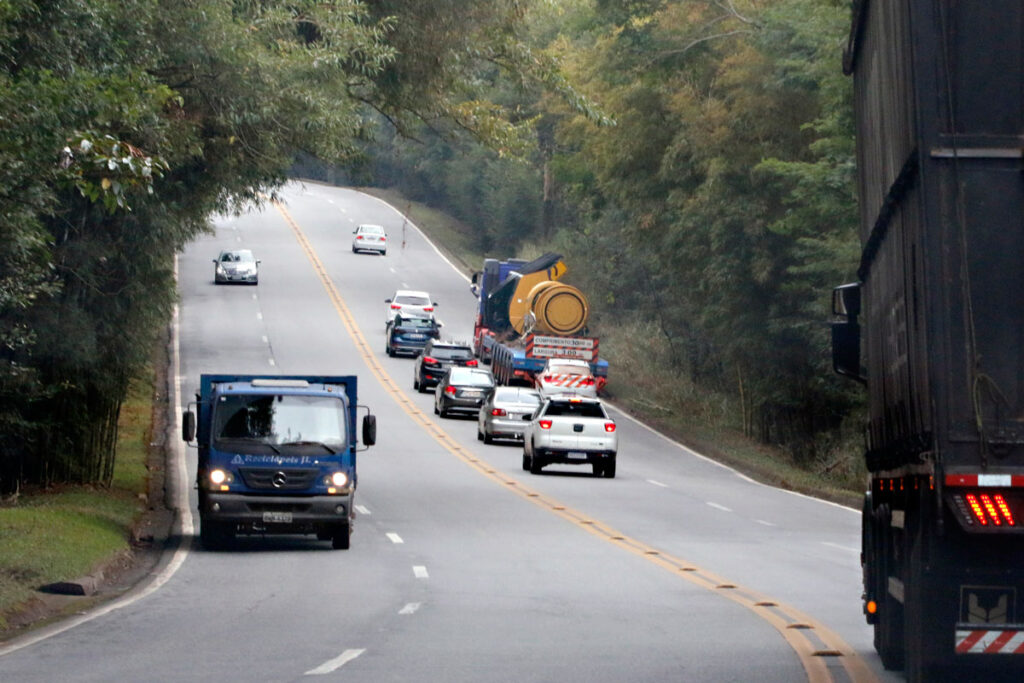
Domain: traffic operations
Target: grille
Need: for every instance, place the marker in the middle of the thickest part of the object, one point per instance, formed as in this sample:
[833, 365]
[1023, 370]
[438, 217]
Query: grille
[275, 479]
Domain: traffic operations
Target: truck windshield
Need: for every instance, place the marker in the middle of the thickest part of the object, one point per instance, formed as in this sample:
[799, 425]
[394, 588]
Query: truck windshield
[279, 420]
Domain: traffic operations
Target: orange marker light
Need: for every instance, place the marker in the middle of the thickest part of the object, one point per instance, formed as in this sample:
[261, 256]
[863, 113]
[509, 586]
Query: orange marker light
[872, 607]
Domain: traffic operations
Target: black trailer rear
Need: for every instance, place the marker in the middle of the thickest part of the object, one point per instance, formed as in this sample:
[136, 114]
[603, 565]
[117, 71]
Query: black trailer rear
[935, 326]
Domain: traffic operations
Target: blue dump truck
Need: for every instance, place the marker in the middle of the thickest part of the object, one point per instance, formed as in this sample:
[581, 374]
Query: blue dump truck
[277, 455]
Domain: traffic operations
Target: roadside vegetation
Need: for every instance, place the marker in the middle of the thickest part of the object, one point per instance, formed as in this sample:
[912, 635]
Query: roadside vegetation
[65, 532]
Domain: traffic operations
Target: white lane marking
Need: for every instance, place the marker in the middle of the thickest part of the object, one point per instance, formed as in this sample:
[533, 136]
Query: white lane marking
[841, 547]
[254, 297]
[351, 220]
[271, 361]
[266, 340]
[363, 510]
[336, 663]
[395, 538]
[410, 608]
[392, 269]
[331, 201]
[420, 572]
[657, 483]
[719, 507]
[761, 521]
[259, 316]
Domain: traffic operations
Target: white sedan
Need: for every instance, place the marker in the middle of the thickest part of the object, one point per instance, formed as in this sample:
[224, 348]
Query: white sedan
[409, 303]
[370, 238]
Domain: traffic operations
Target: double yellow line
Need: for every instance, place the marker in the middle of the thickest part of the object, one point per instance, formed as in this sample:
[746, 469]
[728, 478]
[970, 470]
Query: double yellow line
[816, 645]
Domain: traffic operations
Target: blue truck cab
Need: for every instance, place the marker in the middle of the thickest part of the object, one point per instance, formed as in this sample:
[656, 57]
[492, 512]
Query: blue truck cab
[276, 455]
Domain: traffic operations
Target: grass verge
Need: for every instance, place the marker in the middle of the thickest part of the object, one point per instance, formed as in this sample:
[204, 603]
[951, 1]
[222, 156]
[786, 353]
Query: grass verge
[66, 532]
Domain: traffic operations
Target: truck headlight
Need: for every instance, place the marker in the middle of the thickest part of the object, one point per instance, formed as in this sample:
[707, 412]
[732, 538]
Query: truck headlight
[339, 479]
[219, 478]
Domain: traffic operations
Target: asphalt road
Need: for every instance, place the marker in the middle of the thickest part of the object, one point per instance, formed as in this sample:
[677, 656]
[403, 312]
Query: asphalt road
[463, 567]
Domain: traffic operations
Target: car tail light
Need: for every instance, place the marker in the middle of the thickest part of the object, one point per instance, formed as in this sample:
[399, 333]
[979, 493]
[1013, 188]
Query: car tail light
[472, 363]
[383, 239]
[450, 391]
[396, 307]
[427, 360]
[545, 424]
[428, 309]
[609, 427]
[589, 381]
[359, 237]
[498, 412]
[547, 378]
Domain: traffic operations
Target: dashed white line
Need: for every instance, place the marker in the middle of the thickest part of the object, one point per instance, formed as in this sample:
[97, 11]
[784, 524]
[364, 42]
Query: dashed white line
[410, 608]
[761, 521]
[394, 538]
[254, 296]
[271, 361]
[259, 316]
[336, 663]
[266, 339]
[363, 510]
[657, 483]
[420, 572]
[841, 547]
[719, 507]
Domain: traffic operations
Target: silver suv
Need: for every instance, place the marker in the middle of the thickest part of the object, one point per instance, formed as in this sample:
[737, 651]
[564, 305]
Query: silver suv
[571, 430]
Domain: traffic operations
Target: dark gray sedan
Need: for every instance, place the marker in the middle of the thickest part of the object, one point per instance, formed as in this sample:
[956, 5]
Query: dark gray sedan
[462, 390]
[503, 412]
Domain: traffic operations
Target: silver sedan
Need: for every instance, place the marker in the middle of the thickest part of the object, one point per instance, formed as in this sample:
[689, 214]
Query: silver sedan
[504, 412]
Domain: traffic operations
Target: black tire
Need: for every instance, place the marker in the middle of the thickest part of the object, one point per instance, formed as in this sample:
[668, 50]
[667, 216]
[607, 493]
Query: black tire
[213, 535]
[598, 469]
[535, 464]
[342, 537]
[526, 462]
[384, 253]
[415, 383]
[488, 439]
[436, 410]
[609, 469]
[888, 632]
[354, 250]
[479, 435]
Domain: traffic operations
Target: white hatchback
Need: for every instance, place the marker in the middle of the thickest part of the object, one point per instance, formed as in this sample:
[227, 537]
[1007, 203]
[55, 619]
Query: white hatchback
[409, 303]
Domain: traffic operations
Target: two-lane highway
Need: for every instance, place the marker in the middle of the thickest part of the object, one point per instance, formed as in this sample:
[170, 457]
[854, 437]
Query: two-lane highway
[463, 567]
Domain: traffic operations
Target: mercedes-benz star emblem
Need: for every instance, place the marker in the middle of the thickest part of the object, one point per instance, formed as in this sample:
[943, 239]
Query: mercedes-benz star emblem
[280, 479]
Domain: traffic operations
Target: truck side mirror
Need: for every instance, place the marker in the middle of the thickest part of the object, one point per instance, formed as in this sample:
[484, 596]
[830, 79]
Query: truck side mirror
[188, 426]
[369, 430]
[846, 332]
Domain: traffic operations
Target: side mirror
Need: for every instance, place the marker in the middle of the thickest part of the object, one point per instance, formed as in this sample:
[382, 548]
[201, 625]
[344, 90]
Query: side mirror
[846, 332]
[214, 260]
[258, 261]
[188, 426]
[369, 430]
[387, 301]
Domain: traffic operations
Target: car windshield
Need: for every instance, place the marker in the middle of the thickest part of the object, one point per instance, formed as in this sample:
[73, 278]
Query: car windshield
[472, 378]
[568, 370]
[451, 353]
[412, 300]
[280, 419]
[237, 256]
[516, 395]
[371, 230]
[574, 409]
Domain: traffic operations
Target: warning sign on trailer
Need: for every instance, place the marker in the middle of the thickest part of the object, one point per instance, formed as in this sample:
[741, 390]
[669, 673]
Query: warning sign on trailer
[544, 346]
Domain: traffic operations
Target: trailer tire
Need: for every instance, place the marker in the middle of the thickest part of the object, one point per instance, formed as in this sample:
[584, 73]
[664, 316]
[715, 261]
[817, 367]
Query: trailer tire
[889, 636]
[342, 537]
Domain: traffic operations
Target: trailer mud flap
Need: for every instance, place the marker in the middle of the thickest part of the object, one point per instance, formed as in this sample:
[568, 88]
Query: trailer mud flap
[988, 621]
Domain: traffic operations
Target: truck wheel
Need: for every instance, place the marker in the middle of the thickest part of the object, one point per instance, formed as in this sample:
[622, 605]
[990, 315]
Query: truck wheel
[889, 629]
[213, 535]
[340, 539]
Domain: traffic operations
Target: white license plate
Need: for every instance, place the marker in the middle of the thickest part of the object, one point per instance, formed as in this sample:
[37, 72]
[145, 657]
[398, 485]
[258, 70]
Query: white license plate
[577, 454]
[471, 394]
[277, 517]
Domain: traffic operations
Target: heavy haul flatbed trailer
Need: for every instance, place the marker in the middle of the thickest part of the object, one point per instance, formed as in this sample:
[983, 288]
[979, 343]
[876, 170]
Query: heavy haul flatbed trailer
[934, 327]
[521, 362]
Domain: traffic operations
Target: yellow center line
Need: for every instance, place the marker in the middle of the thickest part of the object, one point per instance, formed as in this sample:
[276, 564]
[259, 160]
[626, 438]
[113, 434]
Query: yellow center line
[793, 625]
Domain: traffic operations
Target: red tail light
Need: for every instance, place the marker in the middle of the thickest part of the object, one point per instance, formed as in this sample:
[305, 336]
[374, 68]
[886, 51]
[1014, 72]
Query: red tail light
[545, 424]
[359, 237]
[547, 378]
[498, 412]
[450, 391]
[589, 381]
[979, 512]
[609, 427]
[428, 309]
[427, 360]
[383, 238]
[472, 363]
[396, 307]
[1004, 509]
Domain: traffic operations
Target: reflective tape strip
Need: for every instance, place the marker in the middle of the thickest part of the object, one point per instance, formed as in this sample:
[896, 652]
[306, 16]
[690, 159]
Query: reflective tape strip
[981, 480]
[982, 641]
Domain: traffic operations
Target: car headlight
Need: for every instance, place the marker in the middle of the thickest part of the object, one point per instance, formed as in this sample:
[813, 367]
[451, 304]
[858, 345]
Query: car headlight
[220, 269]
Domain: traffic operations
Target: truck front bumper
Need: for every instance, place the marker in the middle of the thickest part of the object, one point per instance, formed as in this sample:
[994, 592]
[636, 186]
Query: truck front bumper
[276, 514]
